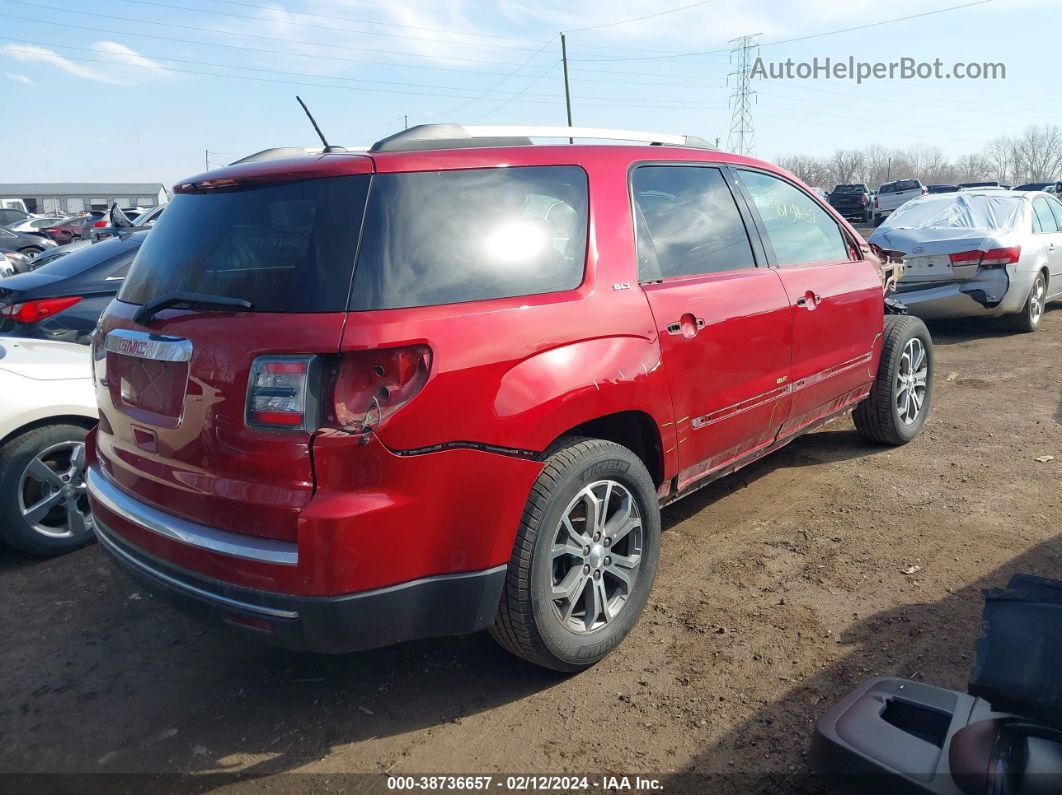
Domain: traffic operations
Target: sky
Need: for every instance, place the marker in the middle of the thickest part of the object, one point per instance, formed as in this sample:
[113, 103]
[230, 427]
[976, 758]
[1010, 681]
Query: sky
[140, 90]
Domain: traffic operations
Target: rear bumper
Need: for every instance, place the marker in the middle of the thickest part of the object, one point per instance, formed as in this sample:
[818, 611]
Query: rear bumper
[990, 294]
[450, 604]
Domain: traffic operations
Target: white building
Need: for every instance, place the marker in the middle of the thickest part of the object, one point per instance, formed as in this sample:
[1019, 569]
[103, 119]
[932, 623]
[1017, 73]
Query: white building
[69, 198]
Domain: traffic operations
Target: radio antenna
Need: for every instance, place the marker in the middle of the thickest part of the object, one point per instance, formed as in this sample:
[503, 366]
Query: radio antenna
[327, 147]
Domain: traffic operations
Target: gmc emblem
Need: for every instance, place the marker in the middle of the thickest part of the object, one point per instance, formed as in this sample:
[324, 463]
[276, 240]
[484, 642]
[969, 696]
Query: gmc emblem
[132, 347]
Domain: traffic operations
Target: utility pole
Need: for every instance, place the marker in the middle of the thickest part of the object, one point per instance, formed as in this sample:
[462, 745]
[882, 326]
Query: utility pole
[406, 117]
[742, 137]
[888, 170]
[206, 159]
[567, 88]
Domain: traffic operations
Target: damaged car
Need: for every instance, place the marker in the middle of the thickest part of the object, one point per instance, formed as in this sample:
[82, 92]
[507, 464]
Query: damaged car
[987, 253]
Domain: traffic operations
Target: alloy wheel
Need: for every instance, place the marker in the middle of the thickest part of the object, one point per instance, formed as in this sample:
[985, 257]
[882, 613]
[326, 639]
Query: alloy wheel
[596, 556]
[911, 381]
[52, 494]
[1036, 300]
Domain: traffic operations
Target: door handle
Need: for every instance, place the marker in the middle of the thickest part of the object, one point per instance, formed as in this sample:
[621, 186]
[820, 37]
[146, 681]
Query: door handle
[809, 300]
[688, 325]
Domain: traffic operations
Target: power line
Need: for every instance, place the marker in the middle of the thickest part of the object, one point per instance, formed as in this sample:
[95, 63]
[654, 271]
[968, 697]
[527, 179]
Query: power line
[640, 19]
[359, 20]
[319, 27]
[798, 38]
[506, 77]
[279, 39]
[511, 99]
[330, 58]
[595, 101]
[259, 7]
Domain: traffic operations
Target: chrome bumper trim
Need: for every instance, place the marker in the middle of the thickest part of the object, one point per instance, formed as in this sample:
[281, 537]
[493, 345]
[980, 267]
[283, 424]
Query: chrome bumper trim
[263, 550]
[102, 532]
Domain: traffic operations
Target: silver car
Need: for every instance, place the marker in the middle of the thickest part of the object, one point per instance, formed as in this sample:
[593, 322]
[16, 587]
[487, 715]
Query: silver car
[977, 253]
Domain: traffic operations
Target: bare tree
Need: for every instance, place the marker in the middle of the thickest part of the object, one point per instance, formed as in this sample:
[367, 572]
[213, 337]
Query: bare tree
[811, 170]
[1038, 154]
[846, 164]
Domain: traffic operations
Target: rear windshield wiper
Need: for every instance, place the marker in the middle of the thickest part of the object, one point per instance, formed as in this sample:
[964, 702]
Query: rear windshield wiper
[145, 314]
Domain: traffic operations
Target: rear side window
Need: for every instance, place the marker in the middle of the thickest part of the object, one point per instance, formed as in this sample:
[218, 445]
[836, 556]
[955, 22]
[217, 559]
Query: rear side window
[799, 229]
[1043, 220]
[687, 223]
[453, 236]
[284, 248]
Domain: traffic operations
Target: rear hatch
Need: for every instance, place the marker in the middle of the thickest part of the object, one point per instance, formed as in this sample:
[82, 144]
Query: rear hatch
[178, 426]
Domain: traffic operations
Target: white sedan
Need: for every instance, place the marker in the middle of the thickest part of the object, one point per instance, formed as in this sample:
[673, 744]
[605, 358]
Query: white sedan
[47, 405]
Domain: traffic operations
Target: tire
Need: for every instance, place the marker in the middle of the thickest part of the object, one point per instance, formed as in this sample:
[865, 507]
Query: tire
[878, 219]
[1028, 319]
[31, 251]
[548, 630]
[51, 533]
[879, 417]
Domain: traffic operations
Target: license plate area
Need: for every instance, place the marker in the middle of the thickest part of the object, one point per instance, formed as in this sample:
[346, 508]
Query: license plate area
[935, 265]
[148, 376]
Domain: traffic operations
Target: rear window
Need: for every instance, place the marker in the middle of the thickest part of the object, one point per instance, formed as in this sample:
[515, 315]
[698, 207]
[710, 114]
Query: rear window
[453, 236]
[850, 189]
[907, 184]
[284, 248]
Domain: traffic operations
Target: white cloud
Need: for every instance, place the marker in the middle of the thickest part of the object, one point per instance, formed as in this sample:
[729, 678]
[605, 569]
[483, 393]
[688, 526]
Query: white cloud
[119, 52]
[99, 70]
[17, 77]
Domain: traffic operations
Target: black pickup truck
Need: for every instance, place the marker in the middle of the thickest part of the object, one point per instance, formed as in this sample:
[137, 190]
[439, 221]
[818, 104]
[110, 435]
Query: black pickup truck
[853, 202]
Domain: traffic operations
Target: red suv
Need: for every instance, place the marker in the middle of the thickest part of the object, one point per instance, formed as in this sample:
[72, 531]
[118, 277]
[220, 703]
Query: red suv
[350, 399]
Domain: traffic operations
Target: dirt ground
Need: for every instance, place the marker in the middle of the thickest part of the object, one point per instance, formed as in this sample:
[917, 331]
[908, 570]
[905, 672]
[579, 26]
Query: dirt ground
[779, 589]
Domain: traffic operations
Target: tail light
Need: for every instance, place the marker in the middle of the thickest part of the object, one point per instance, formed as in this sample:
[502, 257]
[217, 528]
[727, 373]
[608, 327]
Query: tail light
[876, 205]
[368, 386]
[993, 258]
[279, 392]
[925, 191]
[863, 198]
[34, 311]
[99, 224]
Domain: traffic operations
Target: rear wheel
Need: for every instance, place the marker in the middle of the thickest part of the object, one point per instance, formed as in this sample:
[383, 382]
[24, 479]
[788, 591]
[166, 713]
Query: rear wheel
[898, 404]
[1028, 319]
[585, 557]
[878, 219]
[43, 506]
[31, 251]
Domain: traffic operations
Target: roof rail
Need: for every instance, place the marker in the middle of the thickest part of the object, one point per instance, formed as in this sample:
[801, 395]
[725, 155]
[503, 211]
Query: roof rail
[453, 136]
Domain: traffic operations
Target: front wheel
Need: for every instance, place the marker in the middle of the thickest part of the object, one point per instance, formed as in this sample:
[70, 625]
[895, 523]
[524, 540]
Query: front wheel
[1028, 319]
[31, 251]
[898, 404]
[585, 557]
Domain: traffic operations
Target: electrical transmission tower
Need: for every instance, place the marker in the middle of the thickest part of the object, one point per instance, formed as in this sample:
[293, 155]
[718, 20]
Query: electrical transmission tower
[742, 137]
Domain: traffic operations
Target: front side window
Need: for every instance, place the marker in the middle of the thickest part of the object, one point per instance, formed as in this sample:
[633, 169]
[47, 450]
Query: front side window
[445, 237]
[687, 223]
[284, 248]
[799, 229]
